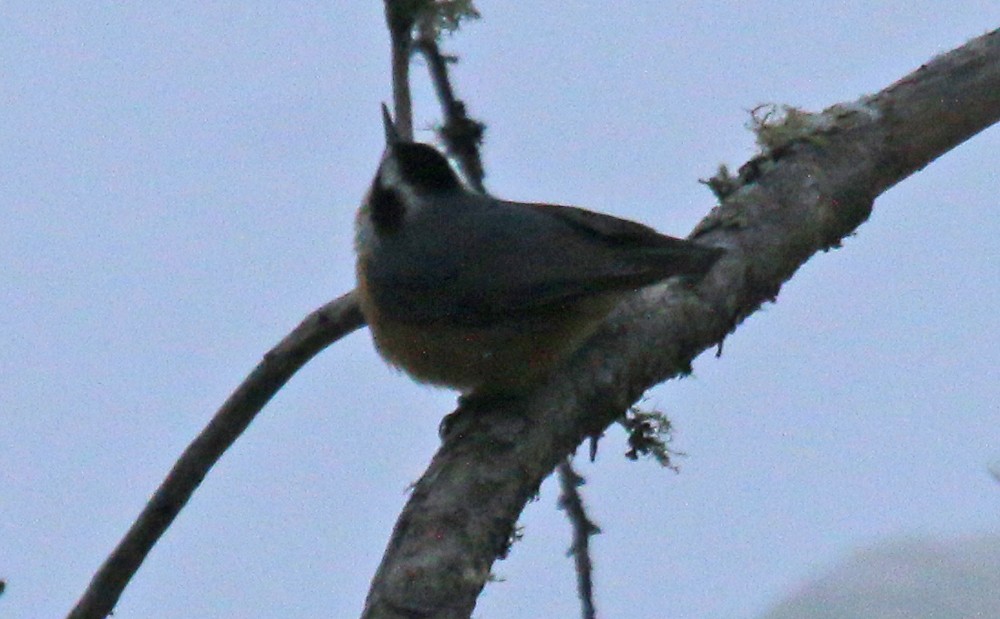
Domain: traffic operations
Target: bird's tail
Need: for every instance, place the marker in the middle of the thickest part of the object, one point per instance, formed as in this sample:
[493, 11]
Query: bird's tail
[675, 257]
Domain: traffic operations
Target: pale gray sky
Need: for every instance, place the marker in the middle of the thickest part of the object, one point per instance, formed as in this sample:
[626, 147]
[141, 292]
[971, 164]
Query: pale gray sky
[178, 182]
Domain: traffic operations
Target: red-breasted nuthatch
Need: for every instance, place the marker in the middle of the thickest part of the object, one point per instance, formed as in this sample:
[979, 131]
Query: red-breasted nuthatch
[484, 295]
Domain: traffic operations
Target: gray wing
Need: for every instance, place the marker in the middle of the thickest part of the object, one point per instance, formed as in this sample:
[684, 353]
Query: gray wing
[475, 266]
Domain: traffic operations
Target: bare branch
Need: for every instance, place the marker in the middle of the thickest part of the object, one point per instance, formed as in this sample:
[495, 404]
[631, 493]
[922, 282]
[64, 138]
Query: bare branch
[461, 135]
[815, 187]
[319, 329]
[400, 17]
[583, 527]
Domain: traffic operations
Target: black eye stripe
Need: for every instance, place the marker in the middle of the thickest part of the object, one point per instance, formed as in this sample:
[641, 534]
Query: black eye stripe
[387, 208]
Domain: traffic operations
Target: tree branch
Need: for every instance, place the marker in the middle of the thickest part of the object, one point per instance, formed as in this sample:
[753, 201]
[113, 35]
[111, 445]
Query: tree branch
[583, 527]
[319, 329]
[400, 16]
[814, 187]
[461, 135]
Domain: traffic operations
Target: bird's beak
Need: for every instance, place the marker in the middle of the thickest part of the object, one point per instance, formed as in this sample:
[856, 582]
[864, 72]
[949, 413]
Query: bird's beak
[391, 135]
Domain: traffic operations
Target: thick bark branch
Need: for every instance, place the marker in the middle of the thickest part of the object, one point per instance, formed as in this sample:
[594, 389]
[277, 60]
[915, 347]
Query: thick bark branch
[813, 189]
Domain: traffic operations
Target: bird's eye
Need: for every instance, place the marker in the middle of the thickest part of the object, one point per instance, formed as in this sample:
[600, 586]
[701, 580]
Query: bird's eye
[387, 207]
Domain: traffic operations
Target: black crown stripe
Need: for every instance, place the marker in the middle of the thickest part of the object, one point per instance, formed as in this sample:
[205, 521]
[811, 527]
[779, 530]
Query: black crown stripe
[424, 168]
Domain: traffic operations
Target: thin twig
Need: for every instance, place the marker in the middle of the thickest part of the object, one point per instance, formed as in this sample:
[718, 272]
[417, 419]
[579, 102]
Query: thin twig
[462, 135]
[319, 329]
[400, 20]
[583, 527]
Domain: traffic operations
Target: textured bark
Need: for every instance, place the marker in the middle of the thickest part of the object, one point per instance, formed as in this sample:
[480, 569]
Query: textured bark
[815, 185]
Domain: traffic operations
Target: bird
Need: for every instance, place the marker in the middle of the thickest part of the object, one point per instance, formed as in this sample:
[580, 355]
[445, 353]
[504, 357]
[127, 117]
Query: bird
[487, 296]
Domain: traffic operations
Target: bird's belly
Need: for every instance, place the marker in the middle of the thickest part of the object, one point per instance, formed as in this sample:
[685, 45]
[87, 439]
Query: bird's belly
[502, 358]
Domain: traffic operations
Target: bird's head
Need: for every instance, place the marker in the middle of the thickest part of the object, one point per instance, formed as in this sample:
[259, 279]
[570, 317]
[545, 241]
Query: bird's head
[410, 176]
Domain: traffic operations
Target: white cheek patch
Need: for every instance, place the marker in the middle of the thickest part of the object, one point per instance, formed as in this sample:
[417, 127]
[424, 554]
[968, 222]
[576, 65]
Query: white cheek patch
[391, 177]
